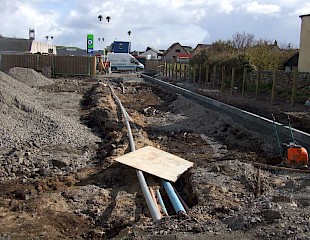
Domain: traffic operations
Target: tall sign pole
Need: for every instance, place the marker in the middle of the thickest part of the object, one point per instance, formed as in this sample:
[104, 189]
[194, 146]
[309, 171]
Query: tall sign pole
[90, 43]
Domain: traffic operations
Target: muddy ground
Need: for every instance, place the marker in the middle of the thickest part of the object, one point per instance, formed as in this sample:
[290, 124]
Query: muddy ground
[228, 198]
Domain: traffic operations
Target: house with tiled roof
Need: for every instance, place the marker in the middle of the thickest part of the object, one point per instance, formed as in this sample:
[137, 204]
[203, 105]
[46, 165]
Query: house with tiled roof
[172, 53]
[152, 54]
[201, 47]
[291, 63]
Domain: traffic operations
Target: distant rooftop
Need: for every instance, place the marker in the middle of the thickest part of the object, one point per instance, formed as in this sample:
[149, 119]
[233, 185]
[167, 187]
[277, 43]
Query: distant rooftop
[15, 44]
[305, 15]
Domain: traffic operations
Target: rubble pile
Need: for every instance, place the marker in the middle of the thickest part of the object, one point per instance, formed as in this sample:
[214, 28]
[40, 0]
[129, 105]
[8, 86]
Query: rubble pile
[30, 131]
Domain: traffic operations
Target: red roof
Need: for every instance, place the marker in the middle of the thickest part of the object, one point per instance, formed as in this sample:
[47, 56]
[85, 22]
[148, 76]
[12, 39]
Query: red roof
[184, 55]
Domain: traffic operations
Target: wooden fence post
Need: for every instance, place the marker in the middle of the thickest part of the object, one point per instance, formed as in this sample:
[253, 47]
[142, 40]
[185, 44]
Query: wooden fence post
[243, 81]
[257, 83]
[274, 83]
[207, 75]
[214, 75]
[169, 70]
[293, 99]
[233, 71]
[223, 78]
[200, 70]
[194, 73]
[180, 72]
[93, 66]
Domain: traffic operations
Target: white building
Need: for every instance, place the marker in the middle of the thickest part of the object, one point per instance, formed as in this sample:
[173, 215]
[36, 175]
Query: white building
[304, 49]
[152, 54]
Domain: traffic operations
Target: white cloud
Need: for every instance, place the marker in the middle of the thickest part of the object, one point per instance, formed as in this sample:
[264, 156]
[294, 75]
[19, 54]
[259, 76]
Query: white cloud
[152, 22]
[255, 7]
[304, 10]
[226, 6]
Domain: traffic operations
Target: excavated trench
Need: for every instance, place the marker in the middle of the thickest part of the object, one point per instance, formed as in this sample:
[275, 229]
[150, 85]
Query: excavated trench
[105, 119]
[228, 198]
[149, 107]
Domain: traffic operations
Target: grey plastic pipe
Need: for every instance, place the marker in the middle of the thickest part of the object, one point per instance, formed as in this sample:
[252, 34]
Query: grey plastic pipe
[147, 195]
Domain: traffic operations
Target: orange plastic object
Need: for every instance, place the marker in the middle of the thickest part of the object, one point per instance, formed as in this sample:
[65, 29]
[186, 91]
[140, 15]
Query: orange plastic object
[297, 155]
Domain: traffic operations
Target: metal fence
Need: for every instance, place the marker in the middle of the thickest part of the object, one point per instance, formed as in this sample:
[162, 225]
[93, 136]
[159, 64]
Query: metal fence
[55, 65]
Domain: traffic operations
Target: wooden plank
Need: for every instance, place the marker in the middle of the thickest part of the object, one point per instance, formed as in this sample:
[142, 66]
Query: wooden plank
[156, 162]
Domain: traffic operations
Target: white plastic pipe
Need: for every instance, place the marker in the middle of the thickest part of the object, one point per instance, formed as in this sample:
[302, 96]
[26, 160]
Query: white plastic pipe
[147, 195]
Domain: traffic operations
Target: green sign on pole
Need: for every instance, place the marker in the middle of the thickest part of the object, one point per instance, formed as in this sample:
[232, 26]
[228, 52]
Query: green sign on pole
[90, 43]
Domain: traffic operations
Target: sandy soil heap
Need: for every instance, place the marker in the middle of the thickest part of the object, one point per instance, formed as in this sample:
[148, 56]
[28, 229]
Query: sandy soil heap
[29, 76]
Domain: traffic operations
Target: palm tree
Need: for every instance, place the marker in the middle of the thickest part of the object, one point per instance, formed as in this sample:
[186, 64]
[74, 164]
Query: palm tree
[108, 18]
[46, 38]
[129, 33]
[100, 18]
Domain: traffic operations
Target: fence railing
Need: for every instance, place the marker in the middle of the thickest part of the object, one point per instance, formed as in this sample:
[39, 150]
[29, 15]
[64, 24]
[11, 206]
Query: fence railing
[240, 81]
[51, 64]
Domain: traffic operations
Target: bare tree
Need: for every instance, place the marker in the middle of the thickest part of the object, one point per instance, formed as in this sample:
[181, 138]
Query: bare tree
[243, 40]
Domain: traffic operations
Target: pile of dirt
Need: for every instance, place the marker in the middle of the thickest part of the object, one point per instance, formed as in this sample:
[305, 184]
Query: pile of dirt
[29, 77]
[26, 124]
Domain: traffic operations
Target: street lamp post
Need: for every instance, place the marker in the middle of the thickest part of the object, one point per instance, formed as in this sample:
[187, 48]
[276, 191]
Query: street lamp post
[47, 37]
[49, 48]
[129, 33]
[103, 50]
[108, 18]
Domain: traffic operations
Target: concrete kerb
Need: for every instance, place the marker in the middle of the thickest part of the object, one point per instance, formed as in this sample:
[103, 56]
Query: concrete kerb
[248, 120]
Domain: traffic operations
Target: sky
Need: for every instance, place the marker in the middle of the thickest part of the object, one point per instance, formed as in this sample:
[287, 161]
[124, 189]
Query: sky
[152, 23]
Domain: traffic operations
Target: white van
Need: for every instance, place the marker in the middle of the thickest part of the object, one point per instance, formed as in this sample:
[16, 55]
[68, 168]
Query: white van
[124, 62]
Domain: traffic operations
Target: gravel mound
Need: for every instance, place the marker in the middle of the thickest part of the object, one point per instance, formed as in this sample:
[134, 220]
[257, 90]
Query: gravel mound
[35, 140]
[23, 119]
[29, 77]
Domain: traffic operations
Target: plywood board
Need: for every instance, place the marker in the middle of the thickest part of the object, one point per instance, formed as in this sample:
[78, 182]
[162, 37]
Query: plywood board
[156, 162]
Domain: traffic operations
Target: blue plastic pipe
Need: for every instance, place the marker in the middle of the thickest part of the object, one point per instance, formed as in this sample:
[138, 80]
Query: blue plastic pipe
[161, 202]
[177, 205]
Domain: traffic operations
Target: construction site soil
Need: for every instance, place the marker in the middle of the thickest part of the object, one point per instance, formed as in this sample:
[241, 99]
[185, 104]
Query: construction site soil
[59, 179]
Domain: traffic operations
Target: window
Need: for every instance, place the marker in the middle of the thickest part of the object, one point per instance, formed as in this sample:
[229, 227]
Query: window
[177, 50]
[120, 46]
